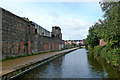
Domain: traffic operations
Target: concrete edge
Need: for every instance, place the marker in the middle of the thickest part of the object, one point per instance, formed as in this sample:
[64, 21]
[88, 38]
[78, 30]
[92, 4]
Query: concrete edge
[17, 72]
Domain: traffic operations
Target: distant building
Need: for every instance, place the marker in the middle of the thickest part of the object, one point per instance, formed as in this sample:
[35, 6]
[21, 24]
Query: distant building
[77, 42]
[68, 42]
[56, 32]
[41, 31]
[102, 42]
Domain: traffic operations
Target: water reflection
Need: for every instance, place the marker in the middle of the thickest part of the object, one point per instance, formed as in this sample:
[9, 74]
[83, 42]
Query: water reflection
[96, 67]
[76, 64]
[103, 69]
[46, 70]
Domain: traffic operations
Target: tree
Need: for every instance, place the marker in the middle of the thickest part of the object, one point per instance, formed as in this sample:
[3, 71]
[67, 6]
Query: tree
[107, 29]
[112, 16]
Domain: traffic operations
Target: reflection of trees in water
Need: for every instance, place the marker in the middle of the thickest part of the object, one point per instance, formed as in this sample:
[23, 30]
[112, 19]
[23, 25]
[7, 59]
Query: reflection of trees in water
[95, 66]
[100, 65]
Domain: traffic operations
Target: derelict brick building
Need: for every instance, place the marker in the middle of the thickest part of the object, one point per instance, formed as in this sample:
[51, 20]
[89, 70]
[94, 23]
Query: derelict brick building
[56, 32]
[20, 36]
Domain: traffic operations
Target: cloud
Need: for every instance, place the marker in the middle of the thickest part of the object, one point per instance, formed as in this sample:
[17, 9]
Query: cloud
[72, 28]
[59, 0]
[50, 0]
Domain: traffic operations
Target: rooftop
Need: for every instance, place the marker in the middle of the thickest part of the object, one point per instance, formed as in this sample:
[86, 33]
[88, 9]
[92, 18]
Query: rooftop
[40, 26]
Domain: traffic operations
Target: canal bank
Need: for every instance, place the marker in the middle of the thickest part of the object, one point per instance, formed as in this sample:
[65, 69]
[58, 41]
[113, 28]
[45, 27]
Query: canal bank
[107, 54]
[75, 65]
[15, 67]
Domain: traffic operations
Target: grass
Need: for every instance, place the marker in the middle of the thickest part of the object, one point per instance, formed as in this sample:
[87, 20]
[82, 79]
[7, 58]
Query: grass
[20, 56]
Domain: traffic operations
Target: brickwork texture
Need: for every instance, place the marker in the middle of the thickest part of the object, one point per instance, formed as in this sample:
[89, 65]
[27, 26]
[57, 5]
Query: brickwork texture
[19, 38]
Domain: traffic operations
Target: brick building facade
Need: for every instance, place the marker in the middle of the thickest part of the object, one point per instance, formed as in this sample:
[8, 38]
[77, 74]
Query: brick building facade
[19, 37]
[56, 32]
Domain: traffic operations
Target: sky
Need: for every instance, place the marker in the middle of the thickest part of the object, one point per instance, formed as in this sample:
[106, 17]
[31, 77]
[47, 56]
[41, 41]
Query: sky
[74, 18]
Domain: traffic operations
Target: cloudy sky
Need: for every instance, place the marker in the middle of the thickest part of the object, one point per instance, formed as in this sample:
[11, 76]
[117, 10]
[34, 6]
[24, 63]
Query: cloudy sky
[73, 17]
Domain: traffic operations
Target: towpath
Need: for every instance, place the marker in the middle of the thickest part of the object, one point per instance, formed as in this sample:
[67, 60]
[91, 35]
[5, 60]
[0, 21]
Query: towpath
[13, 64]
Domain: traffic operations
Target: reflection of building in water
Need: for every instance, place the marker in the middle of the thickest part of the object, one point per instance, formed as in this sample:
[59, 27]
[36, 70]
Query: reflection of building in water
[58, 61]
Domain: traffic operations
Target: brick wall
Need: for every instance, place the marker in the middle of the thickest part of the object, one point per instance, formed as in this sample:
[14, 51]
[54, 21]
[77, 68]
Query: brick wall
[19, 38]
[56, 32]
[14, 31]
[102, 42]
[0, 34]
[43, 43]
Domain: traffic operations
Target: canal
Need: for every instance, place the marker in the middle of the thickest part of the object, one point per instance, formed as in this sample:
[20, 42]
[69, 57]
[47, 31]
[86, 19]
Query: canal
[76, 64]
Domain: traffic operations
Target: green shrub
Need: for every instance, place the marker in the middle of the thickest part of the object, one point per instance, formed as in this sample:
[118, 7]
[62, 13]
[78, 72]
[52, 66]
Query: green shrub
[110, 54]
[97, 50]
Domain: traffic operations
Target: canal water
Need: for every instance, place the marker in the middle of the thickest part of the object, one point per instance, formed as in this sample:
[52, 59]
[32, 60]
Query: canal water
[76, 64]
